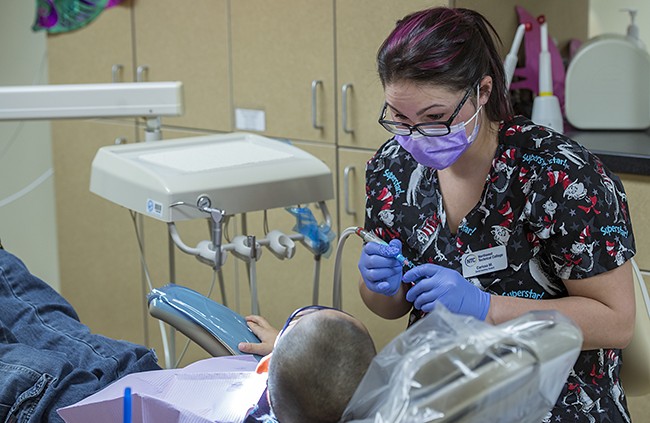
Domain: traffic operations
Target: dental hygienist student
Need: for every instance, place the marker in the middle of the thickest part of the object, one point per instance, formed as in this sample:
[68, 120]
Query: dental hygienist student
[500, 216]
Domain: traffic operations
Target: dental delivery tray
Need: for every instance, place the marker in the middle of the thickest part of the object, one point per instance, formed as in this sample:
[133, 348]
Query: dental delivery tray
[236, 172]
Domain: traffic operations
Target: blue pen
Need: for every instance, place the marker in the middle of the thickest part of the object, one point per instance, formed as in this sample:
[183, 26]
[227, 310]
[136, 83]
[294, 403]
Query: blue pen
[127, 405]
[370, 237]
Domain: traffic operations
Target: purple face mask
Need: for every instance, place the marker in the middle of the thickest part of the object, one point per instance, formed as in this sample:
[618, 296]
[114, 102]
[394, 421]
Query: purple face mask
[443, 151]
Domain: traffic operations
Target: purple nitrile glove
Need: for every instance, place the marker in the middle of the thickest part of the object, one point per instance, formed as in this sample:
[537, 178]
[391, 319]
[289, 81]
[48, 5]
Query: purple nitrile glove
[379, 269]
[437, 284]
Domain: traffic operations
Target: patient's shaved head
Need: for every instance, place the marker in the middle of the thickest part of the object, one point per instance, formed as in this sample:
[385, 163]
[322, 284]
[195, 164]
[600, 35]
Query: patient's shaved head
[316, 367]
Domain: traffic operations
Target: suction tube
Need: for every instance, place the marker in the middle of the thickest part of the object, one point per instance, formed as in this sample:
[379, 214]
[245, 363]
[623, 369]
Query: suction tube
[366, 236]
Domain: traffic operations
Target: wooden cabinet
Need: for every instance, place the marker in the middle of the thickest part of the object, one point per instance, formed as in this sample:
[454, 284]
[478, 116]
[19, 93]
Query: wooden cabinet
[169, 42]
[361, 27]
[188, 43]
[98, 250]
[288, 71]
[638, 197]
[95, 54]
[282, 68]
[98, 260]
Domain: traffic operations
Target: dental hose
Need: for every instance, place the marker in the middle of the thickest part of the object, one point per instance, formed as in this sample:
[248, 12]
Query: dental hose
[316, 279]
[166, 343]
[145, 269]
[336, 293]
[367, 236]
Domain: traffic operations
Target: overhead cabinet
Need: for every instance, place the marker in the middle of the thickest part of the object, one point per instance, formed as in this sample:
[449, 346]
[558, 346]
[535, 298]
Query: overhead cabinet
[282, 68]
[188, 42]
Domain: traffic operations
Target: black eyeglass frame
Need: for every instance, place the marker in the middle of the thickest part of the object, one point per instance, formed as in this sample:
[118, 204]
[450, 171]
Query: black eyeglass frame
[390, 125]
[300, 310]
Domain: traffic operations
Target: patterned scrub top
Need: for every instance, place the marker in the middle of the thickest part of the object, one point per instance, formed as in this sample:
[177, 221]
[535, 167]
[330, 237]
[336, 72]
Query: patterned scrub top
[549, 205]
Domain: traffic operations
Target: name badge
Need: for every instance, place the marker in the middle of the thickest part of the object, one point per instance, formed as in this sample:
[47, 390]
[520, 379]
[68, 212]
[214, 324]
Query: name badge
[484, 261]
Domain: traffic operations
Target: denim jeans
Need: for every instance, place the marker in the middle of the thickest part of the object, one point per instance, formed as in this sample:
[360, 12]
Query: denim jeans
[48, 359]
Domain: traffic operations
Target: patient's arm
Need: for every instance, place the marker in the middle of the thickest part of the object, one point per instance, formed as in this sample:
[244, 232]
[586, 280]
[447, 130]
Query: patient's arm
[264, 331]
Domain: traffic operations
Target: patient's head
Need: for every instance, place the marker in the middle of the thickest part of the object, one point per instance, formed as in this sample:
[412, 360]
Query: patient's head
[317, 366]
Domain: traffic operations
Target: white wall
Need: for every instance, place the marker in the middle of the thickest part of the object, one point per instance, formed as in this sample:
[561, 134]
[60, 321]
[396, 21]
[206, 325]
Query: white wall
[605, 17]
[27, 210]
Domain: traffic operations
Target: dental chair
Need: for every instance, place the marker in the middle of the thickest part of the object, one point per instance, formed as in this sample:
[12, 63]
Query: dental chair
[446, 367]
[215, 327]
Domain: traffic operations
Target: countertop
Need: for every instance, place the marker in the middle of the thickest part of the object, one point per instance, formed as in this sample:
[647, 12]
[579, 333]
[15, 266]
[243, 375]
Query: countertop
[620, 151]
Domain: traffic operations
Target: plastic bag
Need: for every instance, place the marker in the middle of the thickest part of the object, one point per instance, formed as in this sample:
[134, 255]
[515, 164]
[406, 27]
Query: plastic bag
[448, 367]
[318, 237]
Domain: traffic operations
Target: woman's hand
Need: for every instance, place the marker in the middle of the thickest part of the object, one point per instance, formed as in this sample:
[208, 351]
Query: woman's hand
[379, 269]
[264, 331]
[437, 284]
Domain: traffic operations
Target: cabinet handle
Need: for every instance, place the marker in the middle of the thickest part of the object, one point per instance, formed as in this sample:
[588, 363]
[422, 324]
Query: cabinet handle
[344, 92]
[314, 105]
[140, 71]
[116, 70]
[346, 189]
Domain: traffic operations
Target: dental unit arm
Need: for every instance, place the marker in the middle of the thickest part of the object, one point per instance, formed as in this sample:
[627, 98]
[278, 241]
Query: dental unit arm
[212, 177]
[248, 248]
[215, 177]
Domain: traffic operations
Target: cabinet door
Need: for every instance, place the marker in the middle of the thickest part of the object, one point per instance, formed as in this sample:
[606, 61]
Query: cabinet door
[361, 27]
[91, 54]
[188, 43]
[352, 213]
[282, 68]
[636, 189]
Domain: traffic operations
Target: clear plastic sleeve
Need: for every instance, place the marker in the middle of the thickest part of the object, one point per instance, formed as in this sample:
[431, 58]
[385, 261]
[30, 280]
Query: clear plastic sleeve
[452, 368]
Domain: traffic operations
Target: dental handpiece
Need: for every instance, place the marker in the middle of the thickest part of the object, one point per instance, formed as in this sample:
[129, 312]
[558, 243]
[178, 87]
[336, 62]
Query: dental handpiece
[370, 237]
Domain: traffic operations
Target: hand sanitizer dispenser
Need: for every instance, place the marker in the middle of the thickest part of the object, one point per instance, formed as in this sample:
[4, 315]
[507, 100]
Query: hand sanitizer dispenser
[608, 83]
[633, 29]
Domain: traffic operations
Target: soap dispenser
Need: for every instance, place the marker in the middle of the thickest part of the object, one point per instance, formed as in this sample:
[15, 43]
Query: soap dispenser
[633, 29]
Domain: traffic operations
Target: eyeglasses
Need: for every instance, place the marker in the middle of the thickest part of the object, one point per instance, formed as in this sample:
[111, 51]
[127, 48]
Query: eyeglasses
[429, 129]
[263, 365]
[302, 312]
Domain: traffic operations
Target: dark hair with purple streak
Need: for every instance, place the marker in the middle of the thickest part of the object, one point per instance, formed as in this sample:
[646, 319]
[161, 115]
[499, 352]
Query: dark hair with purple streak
[446, 47]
